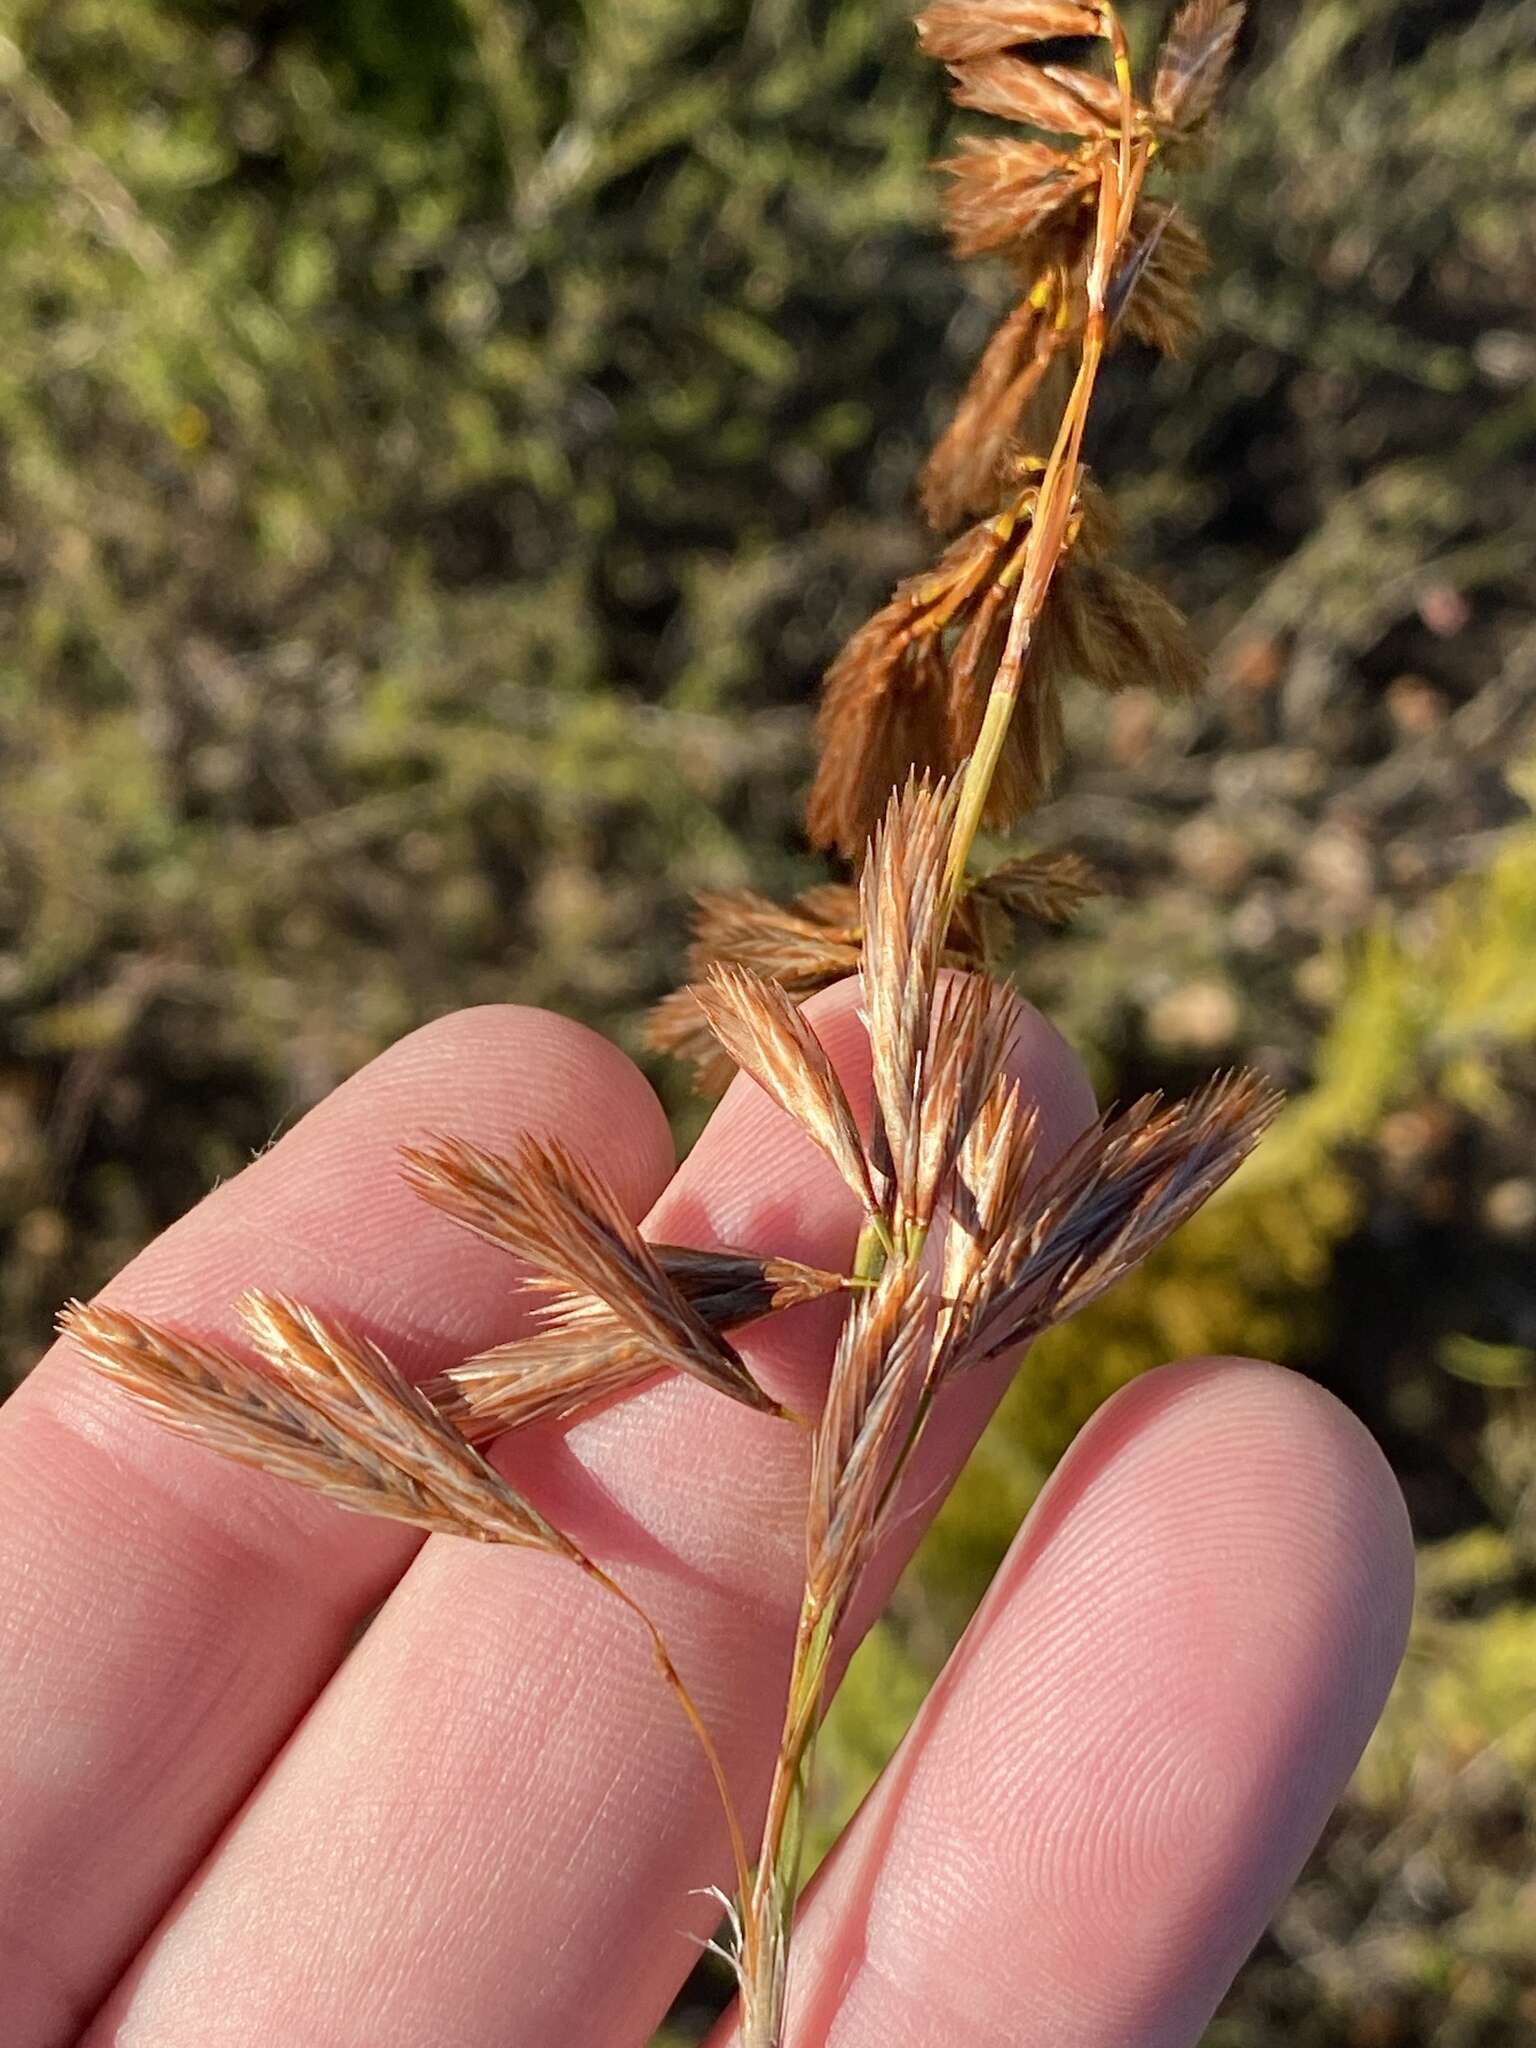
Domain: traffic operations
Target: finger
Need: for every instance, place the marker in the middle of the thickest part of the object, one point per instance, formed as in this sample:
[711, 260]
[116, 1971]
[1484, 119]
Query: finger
[166, 1616]
[501, 1812]
[1138, 1741]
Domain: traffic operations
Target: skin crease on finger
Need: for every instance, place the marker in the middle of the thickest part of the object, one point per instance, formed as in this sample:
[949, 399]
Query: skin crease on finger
[166, 1616]
[501, 1813]
[1138, 1741]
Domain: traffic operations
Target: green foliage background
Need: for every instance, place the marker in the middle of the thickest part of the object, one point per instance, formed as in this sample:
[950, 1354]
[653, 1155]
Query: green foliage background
[443, 442]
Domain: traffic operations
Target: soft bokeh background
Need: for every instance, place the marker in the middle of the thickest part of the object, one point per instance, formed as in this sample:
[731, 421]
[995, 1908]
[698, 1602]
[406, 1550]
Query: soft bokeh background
[443, 441]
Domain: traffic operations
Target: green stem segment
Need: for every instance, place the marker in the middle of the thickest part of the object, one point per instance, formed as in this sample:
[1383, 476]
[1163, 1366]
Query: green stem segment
[768, 1921]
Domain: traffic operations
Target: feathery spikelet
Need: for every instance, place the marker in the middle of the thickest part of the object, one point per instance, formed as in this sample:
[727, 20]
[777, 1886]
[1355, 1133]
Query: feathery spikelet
[1004, 190]
[995, 1161]
[804, 947]
[952, 30]
[583, 1354]
[764, 1033]
[1153, 298]
[963, 477]
[1193, 62]
[904, 929]
[1056, 97]
[882, 718]
[974, 1022]
[1101, 1209]
[546, 1207]
[1048, 887]
[969, 593]
[675, 1025]
[329, 1412]
[877, 1374]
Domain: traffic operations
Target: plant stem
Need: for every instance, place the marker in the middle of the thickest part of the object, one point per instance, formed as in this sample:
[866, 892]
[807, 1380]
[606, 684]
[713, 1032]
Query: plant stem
[769, 1908]
[1049, 537]
[769, 1904]
[674, 1681]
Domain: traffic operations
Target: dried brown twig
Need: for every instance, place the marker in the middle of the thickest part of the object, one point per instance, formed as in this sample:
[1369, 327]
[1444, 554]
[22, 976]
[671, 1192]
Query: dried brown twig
[941, 714]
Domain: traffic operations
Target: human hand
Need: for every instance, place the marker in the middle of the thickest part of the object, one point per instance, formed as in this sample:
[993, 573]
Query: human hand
[487, 1825]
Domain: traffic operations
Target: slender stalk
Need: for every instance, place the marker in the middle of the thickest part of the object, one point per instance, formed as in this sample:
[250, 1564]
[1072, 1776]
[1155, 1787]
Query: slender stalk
[674, 1681]
[1119, 187]
[769, 1903]
[768, 1919]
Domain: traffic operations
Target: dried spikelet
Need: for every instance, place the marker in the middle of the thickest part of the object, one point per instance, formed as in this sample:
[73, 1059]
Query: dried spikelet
[970, 594]
[961, 479]
[764, 1033]
[1036, 733]
[971, 578]
[676, 1026]
[583, 1354]
[1056, 97]
[882, 716]
[1153, 299]
[1004, 190]
[541, 1378]
[974, 1022]
[953, 30]
[994, 1162]
[811, 943]
[1118, 633]
[877, 1373]
[1115, 1196]
[545, 1206]
[904, 930]
[834, 905]
[806, 946]
[1193, 62]
[1048, 887]
[330, 1413]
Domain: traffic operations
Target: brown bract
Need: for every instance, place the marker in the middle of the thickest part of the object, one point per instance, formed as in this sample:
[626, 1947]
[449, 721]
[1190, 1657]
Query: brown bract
[962, 478]
[1123, 1188]
[877, 1376]
[1003, 190]
[1048, 887]
[805, 946]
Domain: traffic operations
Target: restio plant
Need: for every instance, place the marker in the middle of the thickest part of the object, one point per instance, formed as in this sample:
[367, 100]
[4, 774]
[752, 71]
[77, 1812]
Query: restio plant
[941, 716]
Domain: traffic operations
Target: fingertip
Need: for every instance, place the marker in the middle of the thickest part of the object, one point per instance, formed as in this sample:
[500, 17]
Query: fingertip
[488, 1071]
